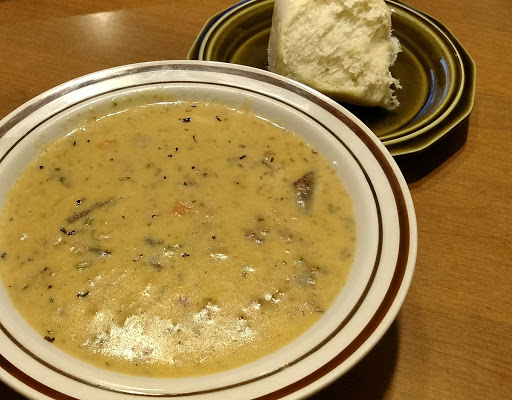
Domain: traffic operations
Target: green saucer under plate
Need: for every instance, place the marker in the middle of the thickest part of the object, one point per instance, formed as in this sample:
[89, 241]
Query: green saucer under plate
[436, 73]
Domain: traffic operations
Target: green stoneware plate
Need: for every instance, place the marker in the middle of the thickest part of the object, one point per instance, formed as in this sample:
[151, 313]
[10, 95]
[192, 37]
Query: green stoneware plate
[436, 73]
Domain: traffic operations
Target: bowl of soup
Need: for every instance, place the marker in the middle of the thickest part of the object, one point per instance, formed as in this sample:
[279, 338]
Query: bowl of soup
[190, 229]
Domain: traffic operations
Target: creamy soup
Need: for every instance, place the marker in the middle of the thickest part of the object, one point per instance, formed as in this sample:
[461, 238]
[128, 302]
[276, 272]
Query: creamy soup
[175, 238]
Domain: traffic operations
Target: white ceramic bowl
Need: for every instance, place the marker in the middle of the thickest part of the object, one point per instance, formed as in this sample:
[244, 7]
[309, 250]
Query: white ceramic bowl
[360, 315]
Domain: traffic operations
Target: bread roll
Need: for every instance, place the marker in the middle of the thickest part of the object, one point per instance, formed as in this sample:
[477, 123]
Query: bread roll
[343, 48]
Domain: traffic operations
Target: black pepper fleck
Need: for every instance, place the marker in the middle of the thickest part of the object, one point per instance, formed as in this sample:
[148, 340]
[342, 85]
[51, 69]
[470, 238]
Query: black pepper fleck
[70, 233]
[49, 339]
[187, 119]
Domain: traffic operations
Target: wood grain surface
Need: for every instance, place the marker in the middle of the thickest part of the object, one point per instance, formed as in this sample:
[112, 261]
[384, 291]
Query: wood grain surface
[453, 336]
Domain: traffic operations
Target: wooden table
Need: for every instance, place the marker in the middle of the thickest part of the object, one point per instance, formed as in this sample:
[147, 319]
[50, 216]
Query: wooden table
[452, 338]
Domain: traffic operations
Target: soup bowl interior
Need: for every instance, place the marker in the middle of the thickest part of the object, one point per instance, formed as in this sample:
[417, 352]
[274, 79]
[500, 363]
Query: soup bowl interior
[358, 317]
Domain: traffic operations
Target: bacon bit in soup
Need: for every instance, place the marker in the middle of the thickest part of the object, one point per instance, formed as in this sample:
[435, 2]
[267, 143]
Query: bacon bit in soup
[304, 190]
[181, 208]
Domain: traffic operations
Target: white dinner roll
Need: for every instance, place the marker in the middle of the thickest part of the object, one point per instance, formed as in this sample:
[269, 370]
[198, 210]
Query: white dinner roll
[343, 48]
